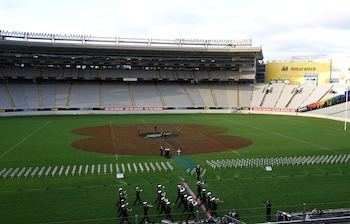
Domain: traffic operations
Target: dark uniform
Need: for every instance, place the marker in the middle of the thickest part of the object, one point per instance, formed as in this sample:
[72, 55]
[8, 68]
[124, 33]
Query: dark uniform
[208, 197]
[214, 206]
[179, 190]
[124, 213]
[163, 202]
[161, 150]
[204, 197]
[191, 206]
[186, 202]
[138, 190]
[198, 172]
[121, 202]
[122, 196]
[145, 212]
[268, 211]
[168, 211]
[199, 190]
[183, 197]
[160, 195]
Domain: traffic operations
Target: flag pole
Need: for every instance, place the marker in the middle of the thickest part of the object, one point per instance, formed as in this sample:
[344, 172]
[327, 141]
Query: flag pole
[346, 104]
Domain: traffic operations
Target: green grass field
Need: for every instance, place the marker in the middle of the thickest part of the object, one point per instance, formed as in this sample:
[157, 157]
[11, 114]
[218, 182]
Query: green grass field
[38, 141]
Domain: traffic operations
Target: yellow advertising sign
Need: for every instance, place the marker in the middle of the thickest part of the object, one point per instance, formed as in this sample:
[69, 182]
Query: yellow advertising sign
[295, 71]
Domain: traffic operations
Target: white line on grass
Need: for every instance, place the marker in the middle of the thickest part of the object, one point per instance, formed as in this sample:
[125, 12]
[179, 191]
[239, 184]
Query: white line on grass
[285, 136]
[233, 151]
[25, 139]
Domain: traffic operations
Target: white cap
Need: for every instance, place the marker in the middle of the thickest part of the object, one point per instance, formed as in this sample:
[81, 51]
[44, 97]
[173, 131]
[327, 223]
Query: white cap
[159, 185]
[120, 189]
[145, 202]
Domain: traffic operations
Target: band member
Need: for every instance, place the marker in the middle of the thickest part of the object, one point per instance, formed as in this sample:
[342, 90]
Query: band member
[122, 192]
[168, 211]
[204, 197]
[161, 150]
[179, 191]
[185, 203]
[124, 213]
[122, 203]
[138, 190]
[145, 211]
[199, 189]
[214, 206]
[182, 200]
[198, 172]
[163, 202]
[159, 193]
[122, 198]
[208, 198]
[191, 206]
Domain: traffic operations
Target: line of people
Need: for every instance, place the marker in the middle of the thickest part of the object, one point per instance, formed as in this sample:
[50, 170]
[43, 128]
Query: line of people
[184, 200]
[210, 202]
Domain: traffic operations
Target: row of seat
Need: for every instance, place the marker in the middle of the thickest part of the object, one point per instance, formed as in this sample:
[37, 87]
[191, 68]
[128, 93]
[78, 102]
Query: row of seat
[100, 95]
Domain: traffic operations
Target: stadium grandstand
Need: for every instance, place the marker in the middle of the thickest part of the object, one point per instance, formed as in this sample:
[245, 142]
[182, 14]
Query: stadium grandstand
[55, 73]
[78, 74]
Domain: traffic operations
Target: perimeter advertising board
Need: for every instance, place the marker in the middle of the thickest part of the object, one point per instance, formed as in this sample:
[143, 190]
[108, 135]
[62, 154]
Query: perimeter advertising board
[295, 71]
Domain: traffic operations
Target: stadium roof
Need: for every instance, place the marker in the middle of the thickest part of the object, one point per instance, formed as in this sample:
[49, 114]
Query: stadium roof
[34, 43]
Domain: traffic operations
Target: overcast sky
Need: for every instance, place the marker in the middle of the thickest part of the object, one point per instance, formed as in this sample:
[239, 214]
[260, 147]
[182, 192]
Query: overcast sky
[284, 28]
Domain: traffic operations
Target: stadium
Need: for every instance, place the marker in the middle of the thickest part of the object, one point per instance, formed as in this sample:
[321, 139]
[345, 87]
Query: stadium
[85, 121]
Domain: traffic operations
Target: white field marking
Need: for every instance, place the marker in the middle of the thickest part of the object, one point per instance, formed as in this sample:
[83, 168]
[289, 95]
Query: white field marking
[147, 124]
[319, 125]
[25, 139]
[113, 137]
[285, 136]
[234, 151]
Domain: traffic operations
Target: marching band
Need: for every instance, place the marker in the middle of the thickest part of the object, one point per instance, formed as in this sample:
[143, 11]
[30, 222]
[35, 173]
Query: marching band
[188, 201]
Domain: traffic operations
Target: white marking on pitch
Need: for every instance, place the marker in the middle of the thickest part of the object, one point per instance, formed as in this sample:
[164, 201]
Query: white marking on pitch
[285, 136]
[25, 139]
